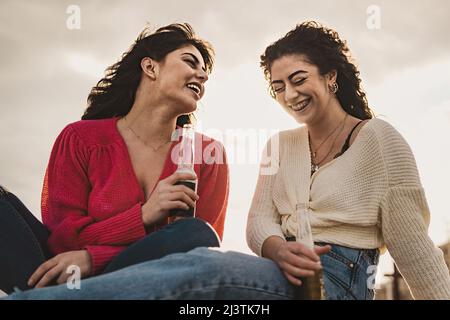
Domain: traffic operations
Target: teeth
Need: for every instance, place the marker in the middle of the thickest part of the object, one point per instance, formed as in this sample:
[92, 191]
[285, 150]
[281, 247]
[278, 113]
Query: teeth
[301, 105]
[194, 87]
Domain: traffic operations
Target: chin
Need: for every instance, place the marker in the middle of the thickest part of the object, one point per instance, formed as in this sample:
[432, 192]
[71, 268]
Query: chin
[186, 106]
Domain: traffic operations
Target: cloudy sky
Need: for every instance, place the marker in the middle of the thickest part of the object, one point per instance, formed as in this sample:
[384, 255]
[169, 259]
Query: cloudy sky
[47, 70]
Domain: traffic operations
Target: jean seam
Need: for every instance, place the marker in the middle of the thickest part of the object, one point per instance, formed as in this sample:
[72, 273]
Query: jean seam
[342, 259]
[216, 286]
[354, 273]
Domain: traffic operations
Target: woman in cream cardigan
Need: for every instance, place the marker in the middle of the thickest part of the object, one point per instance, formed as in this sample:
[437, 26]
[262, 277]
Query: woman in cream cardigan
[355, 174]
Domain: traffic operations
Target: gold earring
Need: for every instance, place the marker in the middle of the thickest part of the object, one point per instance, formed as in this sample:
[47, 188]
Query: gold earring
[334, 88]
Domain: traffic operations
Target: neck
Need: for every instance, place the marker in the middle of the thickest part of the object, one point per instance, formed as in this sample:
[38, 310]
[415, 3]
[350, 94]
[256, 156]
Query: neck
[151, 122]
[322, 127]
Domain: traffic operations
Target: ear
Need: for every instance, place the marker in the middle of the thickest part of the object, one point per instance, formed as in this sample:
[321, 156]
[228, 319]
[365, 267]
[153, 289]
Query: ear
[149, 67]
[332, 76]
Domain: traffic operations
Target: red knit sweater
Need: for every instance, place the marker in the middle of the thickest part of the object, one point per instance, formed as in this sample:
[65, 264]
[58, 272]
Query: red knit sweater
[91, 198]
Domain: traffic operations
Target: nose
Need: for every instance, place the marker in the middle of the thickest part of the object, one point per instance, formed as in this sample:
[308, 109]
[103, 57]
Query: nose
[202, 75]
[290, 95]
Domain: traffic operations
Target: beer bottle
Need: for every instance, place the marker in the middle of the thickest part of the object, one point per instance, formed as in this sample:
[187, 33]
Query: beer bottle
[313, 286]
[186, 165]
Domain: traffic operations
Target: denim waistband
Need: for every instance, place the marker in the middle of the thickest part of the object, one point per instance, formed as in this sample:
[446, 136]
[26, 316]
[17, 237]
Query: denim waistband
[372, 252]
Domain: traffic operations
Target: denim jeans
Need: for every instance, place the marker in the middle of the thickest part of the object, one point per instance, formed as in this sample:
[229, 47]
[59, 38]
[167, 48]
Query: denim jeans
[201, 273]
[180, 236]
[349, 274]
[23, 243]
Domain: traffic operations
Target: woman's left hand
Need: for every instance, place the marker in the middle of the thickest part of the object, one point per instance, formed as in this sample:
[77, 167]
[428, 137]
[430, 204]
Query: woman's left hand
[56, 268]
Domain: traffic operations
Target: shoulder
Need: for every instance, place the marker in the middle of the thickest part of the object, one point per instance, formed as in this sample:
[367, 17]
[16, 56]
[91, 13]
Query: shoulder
[388, 137]
[396, 153]
[286, 138]
[292, 134]
[94, 132]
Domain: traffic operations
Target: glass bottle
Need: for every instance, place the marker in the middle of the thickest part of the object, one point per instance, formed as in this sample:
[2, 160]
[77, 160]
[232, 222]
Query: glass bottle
[314, 287]
[186, 165]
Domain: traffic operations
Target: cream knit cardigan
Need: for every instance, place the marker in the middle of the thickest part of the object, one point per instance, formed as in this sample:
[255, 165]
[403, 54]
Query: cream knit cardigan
[368, 198]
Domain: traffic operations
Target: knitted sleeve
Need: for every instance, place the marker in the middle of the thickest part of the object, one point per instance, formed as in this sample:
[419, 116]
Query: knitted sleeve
[65, 201]
[404, 221]
[264, 220]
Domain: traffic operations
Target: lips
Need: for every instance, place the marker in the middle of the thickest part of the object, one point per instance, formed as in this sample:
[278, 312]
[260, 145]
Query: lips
[301, 105]
[195, 87]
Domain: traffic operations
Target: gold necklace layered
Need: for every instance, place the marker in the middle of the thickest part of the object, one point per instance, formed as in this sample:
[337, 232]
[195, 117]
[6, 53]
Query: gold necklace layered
[316, 164]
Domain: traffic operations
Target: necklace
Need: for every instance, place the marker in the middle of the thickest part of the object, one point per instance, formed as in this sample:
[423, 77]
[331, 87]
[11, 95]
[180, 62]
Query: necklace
[143, 141]
[314, 153]
[315, 165]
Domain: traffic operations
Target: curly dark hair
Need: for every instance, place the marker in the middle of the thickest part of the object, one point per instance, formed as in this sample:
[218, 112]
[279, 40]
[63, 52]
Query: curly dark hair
[115, 93]
[323, 47]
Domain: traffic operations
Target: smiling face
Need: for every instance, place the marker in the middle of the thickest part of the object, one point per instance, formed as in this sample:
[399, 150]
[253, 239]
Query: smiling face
[180, 79]
[300, 88]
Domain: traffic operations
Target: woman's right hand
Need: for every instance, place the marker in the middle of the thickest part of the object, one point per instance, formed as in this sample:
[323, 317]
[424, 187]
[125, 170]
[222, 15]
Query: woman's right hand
[297, 260]
[167, 196]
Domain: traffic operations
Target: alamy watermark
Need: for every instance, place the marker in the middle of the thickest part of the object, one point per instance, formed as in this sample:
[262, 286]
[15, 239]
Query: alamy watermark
[73, 21]
[74, 280]
[373, 21]
[237, 146]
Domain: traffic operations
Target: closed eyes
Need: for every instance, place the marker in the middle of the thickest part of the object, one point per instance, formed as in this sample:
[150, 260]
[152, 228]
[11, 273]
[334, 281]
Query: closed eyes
[295, 82]
[191, 63]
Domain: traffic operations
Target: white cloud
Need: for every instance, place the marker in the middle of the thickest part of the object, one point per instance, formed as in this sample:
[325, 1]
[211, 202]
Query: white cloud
[85, 63]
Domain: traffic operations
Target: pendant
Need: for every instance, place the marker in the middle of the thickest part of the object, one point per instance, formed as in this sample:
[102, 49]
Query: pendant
[314, 167]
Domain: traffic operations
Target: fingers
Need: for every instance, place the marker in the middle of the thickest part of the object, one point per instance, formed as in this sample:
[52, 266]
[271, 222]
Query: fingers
[50, 275]
[43, 268]
[322, 249]
[170, 205]
[300, 248]
[297, 272]
[63, 277]
[180, 188]
[293, 280]
[180, 196]
[303, 263]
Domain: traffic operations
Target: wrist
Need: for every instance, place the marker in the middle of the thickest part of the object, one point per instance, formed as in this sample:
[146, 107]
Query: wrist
[145, 215]
[271, 246]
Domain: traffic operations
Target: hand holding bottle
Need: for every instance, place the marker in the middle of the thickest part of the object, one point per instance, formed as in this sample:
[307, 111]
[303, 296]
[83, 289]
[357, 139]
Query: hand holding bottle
[169, 196]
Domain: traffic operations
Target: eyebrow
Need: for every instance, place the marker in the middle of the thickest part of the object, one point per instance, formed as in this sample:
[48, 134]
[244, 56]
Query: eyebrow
[290, 76]
[195, 59]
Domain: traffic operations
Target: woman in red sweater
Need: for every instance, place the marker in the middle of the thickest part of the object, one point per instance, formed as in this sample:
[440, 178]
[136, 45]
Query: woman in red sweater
[111, 181]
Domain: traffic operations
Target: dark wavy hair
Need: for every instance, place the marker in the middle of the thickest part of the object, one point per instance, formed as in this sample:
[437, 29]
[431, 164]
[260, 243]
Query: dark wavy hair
[114, 94]
[323, 47]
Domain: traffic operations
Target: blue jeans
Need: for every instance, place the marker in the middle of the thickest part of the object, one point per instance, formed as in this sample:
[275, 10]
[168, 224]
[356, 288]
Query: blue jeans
[23, 243]
[201, 273]
[349, 274]
[180, 236]
[208, 274]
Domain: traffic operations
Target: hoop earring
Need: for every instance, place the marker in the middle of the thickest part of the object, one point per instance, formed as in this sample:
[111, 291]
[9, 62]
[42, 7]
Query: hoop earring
[334, 88]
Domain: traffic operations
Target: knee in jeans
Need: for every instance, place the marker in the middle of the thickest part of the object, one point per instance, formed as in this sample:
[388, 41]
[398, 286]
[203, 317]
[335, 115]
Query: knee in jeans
[201, 228]
[210, 260]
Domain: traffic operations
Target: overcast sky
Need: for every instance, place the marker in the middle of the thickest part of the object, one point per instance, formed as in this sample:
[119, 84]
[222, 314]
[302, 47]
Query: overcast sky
[47, 71]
